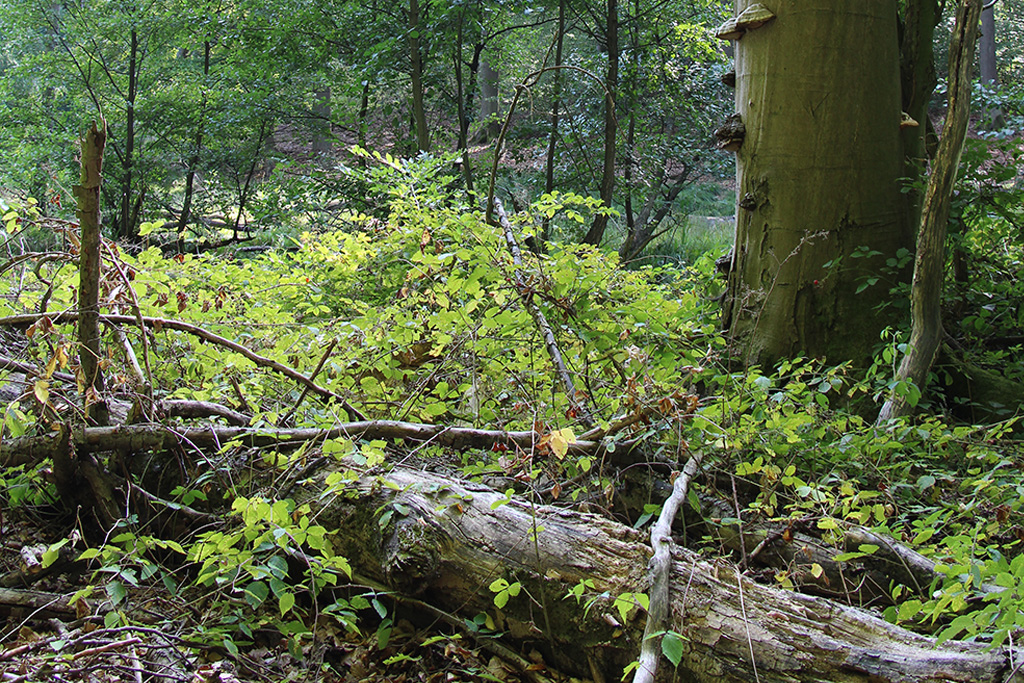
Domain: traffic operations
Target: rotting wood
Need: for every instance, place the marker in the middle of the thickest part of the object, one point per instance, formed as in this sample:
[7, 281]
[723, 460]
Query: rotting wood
[446, 541]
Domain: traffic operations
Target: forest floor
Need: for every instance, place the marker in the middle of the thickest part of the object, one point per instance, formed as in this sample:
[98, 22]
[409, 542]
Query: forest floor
[49, 640]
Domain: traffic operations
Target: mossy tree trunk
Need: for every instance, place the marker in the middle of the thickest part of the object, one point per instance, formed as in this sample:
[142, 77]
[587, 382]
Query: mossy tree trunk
[820, 208]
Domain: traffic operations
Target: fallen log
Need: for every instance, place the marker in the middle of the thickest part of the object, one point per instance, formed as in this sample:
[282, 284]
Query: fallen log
[447, 542]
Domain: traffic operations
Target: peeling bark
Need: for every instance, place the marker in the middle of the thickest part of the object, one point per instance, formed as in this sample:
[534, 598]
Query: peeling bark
[445, 542]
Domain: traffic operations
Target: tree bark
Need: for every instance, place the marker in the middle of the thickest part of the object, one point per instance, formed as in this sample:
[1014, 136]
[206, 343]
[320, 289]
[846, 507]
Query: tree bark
[917, 80]
[987, 49]
[446, 542]
[87, 192]
[556, 103]
[597, 228]
[930, 260]
[197, 148]
[322, 138]
[128, 216]
[489, 103]
[419, 113]
[994, 117]
[818, 172]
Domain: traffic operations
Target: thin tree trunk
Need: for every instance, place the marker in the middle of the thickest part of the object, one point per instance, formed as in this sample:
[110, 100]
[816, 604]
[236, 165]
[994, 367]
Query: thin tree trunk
[364, 119]
[489, 101]
[87, 192]
[987, 48]
[929, 263]
[127, 223]
[193, 161]
[597, 228]
[556, 95]
[244, 188]
[321, 144]
[419, 114]
[994, 117]
[460, 99]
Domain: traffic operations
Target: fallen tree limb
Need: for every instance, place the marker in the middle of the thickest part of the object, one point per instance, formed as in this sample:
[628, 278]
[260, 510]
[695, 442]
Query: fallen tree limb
[201, 409]
[30, 370]
[661, 564]
[446, 542]
[141, 437]
[26, 319]
[810, 565]
[539, 319]
[38, 602]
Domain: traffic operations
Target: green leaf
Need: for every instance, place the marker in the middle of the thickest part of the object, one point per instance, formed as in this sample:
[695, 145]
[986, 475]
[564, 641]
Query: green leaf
[285, 602]
[672, 648]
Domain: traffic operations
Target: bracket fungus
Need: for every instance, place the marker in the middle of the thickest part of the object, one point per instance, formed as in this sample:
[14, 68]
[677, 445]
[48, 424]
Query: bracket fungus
[906, 121]
[729, 30]
[729, 78]
[754, 16]
[731, 133]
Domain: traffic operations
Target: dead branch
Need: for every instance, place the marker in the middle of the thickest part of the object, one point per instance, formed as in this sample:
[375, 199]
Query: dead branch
[660, 571]
[539, 319]
[26, 319]
[142, 437]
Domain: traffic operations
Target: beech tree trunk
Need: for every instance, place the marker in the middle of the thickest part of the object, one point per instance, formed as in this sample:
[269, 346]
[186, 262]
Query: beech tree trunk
[818, 170]
[489, 102]
[994, 117]
[322, 137]
[446, 542]
[917, 79]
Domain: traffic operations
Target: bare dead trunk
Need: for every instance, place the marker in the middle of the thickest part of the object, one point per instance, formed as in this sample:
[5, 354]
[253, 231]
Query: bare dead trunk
[930, 260]
[87, 192]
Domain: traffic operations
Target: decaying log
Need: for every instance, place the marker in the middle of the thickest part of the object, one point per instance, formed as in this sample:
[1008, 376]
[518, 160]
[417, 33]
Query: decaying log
[446, 542]
[811, 566]
[37, 603]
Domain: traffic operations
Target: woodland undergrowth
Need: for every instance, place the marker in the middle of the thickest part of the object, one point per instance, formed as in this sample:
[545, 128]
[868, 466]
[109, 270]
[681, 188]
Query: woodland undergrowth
[415, 313]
